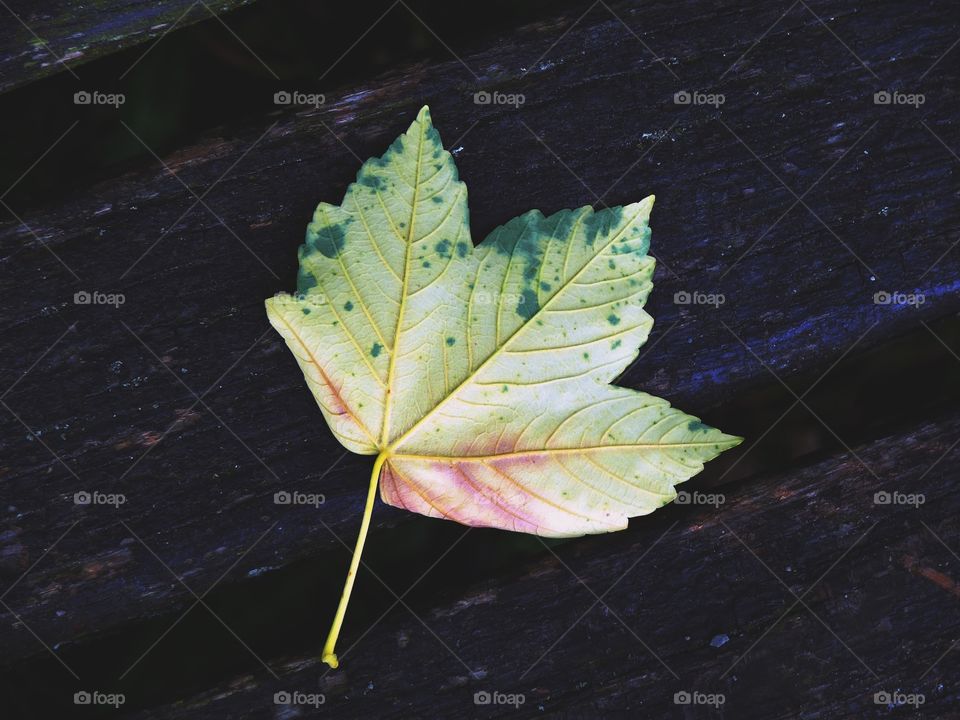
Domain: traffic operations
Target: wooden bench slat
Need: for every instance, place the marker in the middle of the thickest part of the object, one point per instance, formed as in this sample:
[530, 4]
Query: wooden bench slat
[874, 582]
[42, 38]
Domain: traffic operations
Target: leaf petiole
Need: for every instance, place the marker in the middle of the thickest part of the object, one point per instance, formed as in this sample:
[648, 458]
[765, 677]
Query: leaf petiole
[329, 656]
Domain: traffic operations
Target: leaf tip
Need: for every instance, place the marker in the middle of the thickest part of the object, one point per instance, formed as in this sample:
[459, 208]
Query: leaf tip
[644, 206]
[272, 304]
[424, 115]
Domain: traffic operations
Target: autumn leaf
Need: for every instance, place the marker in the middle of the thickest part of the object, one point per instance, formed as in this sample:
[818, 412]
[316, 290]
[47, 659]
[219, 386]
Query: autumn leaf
[480, 376]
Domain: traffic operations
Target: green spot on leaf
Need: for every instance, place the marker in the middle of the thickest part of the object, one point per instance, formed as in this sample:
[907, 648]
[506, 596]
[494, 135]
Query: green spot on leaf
[370, 180]
[305, 280]
[527, 304]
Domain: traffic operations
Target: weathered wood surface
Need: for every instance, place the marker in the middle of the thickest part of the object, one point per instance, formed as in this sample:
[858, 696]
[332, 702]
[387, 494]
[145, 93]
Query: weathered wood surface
[598, 121]
[38, 39]
[799, 597]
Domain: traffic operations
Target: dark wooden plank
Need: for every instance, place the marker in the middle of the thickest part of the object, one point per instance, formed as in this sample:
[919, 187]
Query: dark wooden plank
[38, 39]
[598, 102]
[799, 597]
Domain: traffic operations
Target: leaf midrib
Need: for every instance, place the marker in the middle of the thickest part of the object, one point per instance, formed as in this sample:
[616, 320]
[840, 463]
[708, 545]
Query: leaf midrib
[391, 370]
[560, 451]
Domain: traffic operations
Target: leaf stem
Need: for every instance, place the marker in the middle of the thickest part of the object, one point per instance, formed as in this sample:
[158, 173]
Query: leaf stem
[329, 656]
